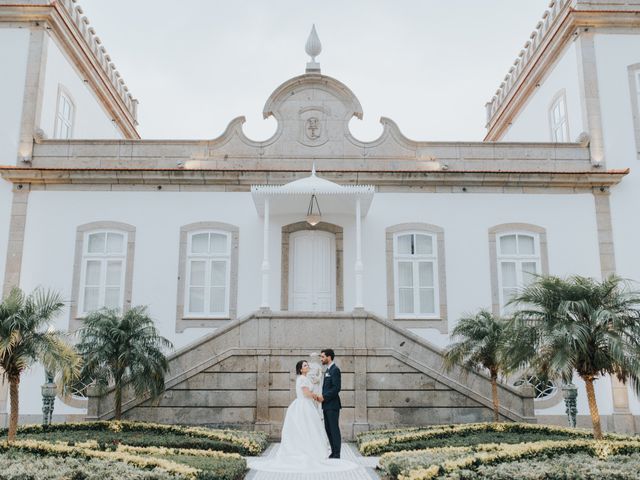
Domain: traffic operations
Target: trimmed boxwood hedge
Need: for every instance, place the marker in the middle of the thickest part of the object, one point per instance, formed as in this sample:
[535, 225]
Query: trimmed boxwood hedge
[149, 434]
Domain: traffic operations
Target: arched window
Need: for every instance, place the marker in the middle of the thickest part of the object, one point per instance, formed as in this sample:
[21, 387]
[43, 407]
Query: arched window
[65, 115]
[208, 278]
[518, 253]
[103, 269]
[634, 91]
[558, 118]
[416, 275]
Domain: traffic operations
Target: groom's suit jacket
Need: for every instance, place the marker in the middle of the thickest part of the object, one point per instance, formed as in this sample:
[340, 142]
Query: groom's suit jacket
[331, 388]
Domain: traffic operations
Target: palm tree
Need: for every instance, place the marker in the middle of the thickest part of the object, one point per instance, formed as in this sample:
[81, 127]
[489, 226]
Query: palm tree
[483, 337]
[124, 349]
[26, 337]
[583, 326]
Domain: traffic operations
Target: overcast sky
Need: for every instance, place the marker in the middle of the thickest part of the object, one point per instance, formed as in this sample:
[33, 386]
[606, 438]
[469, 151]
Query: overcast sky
[430, 65]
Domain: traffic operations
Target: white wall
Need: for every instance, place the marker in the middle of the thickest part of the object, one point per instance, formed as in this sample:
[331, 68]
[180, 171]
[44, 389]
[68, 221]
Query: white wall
[14, 49]
[532, 123]
[53, 218]
[614, 53]
[91, 120]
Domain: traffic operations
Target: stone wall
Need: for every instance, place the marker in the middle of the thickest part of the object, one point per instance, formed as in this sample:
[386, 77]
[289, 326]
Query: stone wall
[243, 376]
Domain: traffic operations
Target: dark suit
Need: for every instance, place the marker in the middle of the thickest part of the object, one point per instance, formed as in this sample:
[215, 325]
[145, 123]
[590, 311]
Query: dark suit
[331, 408]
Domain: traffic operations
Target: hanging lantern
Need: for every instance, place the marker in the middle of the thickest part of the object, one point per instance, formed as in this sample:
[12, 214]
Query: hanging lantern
[313, 217]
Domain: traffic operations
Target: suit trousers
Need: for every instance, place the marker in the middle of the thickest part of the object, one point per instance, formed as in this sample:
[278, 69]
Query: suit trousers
[332, 426]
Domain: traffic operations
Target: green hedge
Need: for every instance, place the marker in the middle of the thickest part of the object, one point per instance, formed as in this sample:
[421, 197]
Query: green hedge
[483, 461]
[150, 463]
[149, 434]
[379, 442]
[579, 466]
[17, 465]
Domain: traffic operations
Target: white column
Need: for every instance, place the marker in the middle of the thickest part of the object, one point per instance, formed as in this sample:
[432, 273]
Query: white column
[359, 267]
[265, 259]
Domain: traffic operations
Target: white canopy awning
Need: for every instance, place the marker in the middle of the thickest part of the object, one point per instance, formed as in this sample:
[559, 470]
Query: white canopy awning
[294, 197]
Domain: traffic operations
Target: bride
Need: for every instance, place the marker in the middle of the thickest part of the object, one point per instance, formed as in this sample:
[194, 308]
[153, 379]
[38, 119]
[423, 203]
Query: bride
[304, 446]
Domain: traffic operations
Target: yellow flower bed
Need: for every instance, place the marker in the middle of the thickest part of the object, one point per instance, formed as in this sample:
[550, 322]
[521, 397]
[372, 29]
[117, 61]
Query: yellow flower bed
[36, 446]
[378, 445]
[489, 454]
[253, 442]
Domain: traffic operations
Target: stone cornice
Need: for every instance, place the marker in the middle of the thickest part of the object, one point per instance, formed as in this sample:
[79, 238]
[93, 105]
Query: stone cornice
[547, 42]
[238, 180]
[65, 20]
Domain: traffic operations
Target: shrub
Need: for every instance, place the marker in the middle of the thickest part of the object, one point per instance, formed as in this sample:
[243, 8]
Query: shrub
[151, 434]
[17, 465]
[563, 467]
[466, 434]
[490, 456]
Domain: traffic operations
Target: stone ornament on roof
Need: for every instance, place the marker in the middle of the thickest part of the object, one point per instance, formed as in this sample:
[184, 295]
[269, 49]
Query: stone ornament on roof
[313, 47]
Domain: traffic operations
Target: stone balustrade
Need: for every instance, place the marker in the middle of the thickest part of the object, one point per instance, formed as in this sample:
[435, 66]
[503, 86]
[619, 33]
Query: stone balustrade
[93, 42]
[550, 17]
[544, 30]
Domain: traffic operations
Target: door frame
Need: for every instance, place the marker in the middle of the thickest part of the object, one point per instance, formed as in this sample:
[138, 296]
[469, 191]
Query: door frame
[287, 230]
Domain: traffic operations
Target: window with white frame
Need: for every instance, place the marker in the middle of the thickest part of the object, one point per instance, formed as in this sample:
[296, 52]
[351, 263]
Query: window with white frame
[65, 113]
[208, 274]
[103, 270]
[634, 91]
[518, 255]
[416, 273]
[558, 119]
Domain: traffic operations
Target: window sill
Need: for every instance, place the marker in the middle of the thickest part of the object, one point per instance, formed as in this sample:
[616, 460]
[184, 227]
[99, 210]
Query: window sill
[201, 322]
[439, 324]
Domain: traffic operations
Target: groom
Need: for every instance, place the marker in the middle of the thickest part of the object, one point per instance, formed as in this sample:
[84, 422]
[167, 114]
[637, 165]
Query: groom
[331, 401]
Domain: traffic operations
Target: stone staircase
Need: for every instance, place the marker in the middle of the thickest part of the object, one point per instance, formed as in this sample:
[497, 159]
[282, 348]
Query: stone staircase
[243, 375]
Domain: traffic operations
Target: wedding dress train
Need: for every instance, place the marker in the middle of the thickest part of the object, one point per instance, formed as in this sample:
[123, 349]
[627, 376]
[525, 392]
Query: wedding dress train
[304, 447]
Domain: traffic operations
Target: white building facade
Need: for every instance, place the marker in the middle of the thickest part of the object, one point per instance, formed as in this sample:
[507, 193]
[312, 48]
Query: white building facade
[407, 236]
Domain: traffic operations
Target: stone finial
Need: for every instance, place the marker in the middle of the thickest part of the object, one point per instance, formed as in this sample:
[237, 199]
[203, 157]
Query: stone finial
[313, 47]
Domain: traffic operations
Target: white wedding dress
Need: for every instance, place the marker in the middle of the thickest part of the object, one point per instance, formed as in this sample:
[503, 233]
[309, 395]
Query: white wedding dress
[304, 447]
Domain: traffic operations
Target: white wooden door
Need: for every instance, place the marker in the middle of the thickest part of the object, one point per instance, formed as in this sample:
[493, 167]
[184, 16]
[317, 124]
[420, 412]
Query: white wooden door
[312, 272]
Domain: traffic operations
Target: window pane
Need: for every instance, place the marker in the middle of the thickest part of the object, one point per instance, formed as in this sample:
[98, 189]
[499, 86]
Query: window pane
[405, 300]
[92, 274]
[218, 243]
[508, 245]
[200, 243]
[508, 294]
[114, 272]
[509, 278]
[528, 272]
[96, 242]
[218, 274]
[425, 274]
[112, 297]
[405, 274]
[424, 245]
[90, 299]
[526, 245]
[115, 243]
[217, 299]
[197, 273]
[427, 301]
[196, 300]
[405, 244]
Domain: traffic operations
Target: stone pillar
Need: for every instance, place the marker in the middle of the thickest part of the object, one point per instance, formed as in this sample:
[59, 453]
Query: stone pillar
[589, 94]
[361, 418]
[263, 361]
[623, 421]
[358, 267]
[265, 259]
[33, 92]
